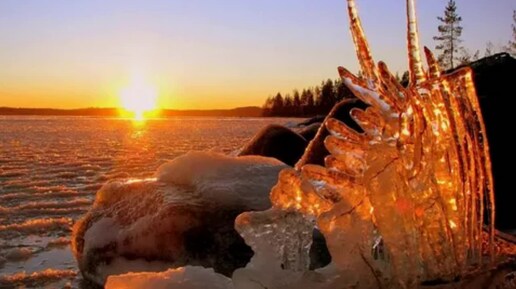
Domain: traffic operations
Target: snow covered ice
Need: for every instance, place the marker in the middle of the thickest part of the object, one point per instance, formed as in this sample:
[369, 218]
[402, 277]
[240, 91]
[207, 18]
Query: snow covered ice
[51, 168]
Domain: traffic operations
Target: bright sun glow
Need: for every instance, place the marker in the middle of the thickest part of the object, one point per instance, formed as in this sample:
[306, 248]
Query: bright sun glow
[139, 99]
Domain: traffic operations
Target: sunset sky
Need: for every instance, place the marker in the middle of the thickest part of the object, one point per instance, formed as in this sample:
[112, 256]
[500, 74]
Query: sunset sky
[205, 53]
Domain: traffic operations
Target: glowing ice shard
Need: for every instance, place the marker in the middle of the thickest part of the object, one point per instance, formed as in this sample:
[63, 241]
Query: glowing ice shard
[403, 202]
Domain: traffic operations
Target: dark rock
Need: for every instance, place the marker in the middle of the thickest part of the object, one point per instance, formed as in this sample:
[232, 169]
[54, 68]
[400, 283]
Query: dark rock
[494, 79]
[310, 131]
[319, 254]
[278, 142]
[316, 151]
[315, 119]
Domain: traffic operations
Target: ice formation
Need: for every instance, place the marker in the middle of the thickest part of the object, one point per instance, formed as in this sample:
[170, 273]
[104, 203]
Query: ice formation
[404, 201]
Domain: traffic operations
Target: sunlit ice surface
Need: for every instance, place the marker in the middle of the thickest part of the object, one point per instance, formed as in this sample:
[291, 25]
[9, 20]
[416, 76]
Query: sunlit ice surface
[139, 100]
[51, 168]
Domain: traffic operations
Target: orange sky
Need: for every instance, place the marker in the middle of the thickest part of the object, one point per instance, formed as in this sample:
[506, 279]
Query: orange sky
[204, 54]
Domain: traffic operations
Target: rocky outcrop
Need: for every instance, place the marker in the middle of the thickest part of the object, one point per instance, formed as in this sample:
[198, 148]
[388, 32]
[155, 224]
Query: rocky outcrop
[183, 217]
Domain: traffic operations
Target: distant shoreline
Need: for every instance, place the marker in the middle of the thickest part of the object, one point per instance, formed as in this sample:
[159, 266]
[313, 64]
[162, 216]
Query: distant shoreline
[250, 111]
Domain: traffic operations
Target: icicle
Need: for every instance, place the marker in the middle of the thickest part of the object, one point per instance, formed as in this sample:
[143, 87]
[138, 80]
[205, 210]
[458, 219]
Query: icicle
[434, 71]
[417, 74]
[365, 58]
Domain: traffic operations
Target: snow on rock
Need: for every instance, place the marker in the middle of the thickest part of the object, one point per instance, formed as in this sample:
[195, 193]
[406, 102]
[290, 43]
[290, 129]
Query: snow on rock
[244, 180]
[184, 216]
[185, 278]
[101, 233]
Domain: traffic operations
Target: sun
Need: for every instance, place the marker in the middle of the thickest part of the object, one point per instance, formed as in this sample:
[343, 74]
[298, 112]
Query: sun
[139, 100]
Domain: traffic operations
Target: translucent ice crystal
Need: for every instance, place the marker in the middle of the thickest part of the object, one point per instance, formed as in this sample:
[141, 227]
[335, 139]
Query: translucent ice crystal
[399, 204]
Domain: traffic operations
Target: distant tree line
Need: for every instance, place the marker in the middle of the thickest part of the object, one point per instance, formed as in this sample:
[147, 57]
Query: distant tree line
[318, 100]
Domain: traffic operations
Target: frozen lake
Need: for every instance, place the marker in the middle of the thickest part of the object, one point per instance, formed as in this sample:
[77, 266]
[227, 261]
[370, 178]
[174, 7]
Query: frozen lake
[51, 167]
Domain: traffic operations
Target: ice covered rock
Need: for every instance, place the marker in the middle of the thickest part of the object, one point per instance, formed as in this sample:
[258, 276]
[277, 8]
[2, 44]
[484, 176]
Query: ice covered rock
[184, 216]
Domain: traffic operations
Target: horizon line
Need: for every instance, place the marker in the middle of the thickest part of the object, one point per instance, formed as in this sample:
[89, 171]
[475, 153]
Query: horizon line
[120, 108]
